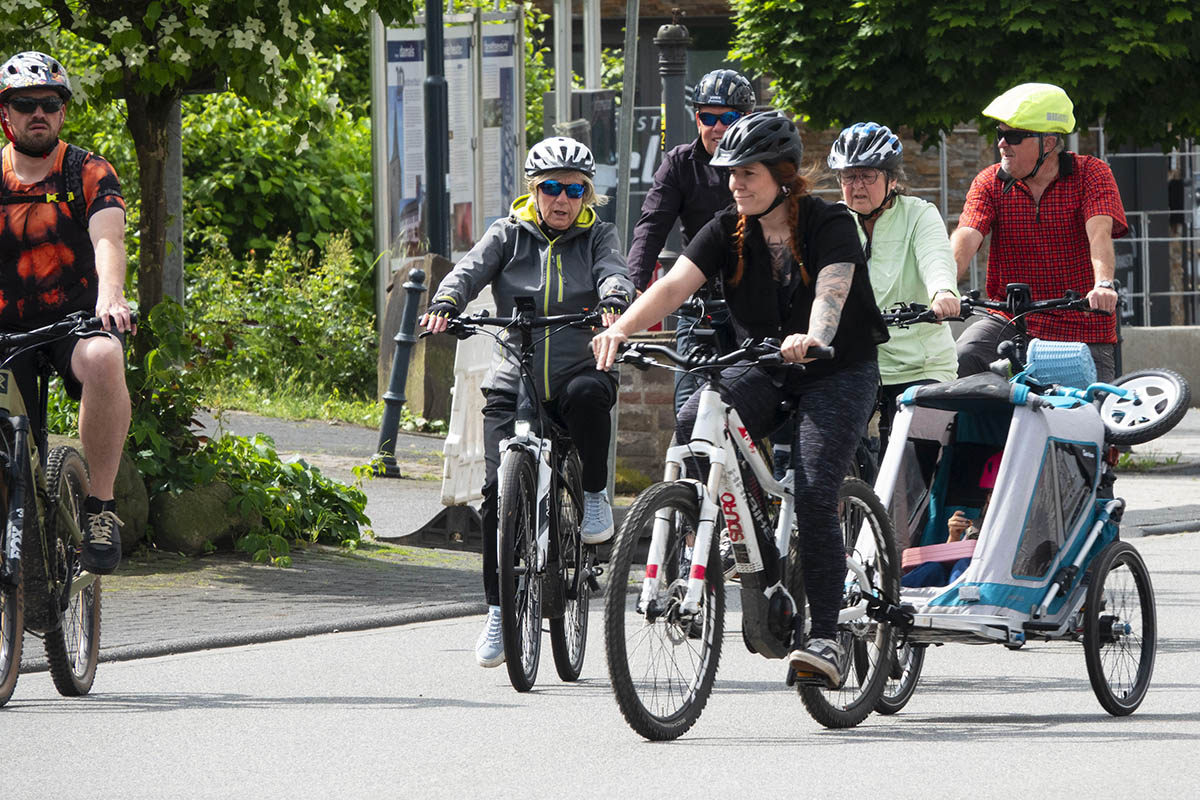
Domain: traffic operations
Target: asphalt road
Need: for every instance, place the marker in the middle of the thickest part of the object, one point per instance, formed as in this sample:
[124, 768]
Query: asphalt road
[405, 712]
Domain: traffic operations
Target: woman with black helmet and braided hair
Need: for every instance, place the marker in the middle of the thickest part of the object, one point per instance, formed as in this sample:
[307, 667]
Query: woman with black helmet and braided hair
[551, 247]
[908, 255]
[793, 269]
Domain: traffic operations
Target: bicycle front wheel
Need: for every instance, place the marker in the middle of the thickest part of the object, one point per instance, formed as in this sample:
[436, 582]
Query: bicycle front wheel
[661, 661]
[73, 647]
[12, 630]
[867, 645]
[520, 583]
[568, 633]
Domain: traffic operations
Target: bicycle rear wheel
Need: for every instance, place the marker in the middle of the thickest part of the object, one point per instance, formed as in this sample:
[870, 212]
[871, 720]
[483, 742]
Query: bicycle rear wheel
[520, 583]
[1120, 629]
[661, 662]
[568, 633]
[73, 646]
[908, 660]
[867, 645]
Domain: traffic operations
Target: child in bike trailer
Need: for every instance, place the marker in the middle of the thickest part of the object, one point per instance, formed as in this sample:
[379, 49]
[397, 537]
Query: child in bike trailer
[554, 248]
[793, 269]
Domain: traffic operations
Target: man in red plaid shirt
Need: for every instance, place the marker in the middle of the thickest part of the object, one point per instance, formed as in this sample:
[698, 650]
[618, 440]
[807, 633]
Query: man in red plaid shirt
[1053, 216]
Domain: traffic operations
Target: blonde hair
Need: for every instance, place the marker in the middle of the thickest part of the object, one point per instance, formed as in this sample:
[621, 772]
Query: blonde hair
[590, 198]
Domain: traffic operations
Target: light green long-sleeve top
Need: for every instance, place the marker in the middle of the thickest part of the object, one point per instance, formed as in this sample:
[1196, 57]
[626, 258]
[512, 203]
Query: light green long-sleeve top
[910, 261]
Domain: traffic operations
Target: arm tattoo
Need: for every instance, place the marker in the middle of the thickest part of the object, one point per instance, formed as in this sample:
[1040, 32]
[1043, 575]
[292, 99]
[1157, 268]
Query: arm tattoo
[833, 285]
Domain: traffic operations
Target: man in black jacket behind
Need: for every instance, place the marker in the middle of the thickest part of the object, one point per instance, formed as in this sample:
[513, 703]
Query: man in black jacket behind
[686, 187]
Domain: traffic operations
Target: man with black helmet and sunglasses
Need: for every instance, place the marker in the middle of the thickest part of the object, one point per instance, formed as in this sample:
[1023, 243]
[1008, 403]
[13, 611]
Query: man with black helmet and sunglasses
[62, 249]
[1053, 216]
[689, 189]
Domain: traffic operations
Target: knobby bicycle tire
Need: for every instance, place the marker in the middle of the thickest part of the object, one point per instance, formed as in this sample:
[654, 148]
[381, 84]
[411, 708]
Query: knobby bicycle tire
[657, 702]
[73, 646]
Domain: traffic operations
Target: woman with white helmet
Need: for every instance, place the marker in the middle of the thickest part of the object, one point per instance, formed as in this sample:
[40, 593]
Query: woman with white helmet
[908, 257]
[551, 247]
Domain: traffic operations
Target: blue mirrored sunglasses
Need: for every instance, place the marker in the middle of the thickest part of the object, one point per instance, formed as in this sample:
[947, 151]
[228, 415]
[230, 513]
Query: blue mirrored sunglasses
[727, 118]
[554, 189]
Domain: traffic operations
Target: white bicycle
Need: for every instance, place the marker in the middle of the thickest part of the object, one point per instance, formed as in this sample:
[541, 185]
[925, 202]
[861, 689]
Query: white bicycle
[664, 624]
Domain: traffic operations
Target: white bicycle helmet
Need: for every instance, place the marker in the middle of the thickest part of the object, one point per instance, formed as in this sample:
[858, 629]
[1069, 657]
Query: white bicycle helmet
[33, 70]
[866, 145]
[559, 152]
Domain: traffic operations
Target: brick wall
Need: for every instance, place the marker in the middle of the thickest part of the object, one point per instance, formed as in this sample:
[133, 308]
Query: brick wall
[646, 415]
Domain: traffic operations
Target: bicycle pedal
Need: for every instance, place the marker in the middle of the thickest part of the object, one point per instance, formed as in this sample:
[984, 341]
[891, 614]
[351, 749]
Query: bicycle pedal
[807, 679]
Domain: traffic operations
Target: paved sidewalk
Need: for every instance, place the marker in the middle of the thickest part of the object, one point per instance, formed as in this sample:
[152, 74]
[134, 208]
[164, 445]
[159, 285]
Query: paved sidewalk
[164, 604]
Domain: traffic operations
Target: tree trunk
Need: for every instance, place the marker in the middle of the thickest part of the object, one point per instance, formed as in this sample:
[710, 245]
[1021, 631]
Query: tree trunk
[148, 116]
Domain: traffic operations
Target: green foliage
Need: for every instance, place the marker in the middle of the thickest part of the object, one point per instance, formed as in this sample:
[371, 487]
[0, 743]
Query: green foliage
[296, 502]
[1136, 63]
[246, 187]
[290, 323]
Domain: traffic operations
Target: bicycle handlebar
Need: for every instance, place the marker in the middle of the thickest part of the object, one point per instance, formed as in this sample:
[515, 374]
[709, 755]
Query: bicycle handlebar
[765, 352]
[904, 314]
[462, 327]
[73, 323]
[1019, 302]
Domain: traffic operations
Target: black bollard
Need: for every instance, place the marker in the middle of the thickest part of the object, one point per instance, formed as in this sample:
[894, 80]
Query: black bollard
[393, 398]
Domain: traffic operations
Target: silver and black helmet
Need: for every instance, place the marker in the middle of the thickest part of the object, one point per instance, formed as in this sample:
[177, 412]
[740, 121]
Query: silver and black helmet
[559, 152]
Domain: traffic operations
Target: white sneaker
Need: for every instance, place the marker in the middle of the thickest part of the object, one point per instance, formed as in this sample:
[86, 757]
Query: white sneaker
[597, 524]
[821, 657]
[489, 649]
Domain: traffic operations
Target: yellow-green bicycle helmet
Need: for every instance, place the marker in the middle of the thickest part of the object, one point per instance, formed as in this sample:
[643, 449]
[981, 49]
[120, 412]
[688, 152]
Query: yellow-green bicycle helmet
[1041, 107]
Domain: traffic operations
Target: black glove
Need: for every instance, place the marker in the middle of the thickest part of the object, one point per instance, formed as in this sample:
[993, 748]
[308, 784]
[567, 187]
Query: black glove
[445, 307]
[614, 304]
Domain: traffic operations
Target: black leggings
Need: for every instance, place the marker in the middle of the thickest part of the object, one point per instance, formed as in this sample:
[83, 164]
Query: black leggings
[582, 405]
[831, 415]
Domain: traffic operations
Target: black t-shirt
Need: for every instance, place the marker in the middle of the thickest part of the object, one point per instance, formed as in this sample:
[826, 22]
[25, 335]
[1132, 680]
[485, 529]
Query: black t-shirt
[826, 235]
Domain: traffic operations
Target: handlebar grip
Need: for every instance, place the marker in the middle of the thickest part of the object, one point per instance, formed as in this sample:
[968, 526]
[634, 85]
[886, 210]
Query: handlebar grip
[820, 352]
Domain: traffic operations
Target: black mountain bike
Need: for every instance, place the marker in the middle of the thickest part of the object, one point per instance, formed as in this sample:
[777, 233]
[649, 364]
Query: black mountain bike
[43, 587]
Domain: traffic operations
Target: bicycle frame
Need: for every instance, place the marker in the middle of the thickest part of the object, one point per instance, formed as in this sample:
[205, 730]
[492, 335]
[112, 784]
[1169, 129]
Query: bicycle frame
[720, 435]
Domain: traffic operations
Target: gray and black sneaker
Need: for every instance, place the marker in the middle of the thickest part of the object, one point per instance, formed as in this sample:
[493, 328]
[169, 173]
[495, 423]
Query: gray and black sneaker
[819, 658]
[102, 540]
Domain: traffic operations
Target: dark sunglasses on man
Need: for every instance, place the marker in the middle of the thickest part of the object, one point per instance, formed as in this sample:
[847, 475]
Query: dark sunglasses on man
[726, 118]
[555, 188]
[27, 105]
[1014, 136]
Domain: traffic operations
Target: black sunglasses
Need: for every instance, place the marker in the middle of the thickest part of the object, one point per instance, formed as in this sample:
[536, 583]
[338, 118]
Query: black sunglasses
[27, 105]
[1014, 136]
[727, 118]
[554, 189]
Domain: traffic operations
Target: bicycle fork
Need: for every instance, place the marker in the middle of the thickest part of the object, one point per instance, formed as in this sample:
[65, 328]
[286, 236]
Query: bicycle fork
[10, 568]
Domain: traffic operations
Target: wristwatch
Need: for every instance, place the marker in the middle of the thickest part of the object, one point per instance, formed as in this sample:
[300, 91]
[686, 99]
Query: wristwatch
[1104, 284]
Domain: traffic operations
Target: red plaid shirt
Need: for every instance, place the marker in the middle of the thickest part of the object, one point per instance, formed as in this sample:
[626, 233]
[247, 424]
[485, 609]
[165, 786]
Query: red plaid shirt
[1046, 245]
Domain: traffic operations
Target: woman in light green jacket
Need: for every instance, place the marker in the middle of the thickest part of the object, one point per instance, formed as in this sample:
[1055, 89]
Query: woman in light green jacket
[908, 256]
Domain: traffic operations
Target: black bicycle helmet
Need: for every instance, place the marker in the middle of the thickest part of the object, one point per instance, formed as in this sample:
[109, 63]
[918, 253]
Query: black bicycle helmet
[765, 136]
[724, 87]
[866, 145]
[559, 152]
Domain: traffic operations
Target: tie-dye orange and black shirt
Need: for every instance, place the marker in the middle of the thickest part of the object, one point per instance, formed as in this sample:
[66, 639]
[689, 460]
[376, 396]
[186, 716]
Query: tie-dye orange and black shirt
[47, 263]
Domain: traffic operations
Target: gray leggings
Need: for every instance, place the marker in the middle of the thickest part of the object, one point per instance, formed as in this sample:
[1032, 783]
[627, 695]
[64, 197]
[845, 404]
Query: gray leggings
[977, 344]
[831, 414]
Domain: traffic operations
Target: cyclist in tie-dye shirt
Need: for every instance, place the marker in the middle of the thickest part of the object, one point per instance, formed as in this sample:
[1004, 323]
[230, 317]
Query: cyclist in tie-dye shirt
[58, 255]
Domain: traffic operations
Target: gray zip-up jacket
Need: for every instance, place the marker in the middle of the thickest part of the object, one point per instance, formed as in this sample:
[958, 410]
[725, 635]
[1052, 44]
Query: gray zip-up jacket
[564, 275]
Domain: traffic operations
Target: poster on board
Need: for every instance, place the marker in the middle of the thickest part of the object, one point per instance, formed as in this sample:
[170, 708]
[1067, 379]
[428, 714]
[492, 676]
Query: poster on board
[502, 163]
[405, 142]
[460, 83]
